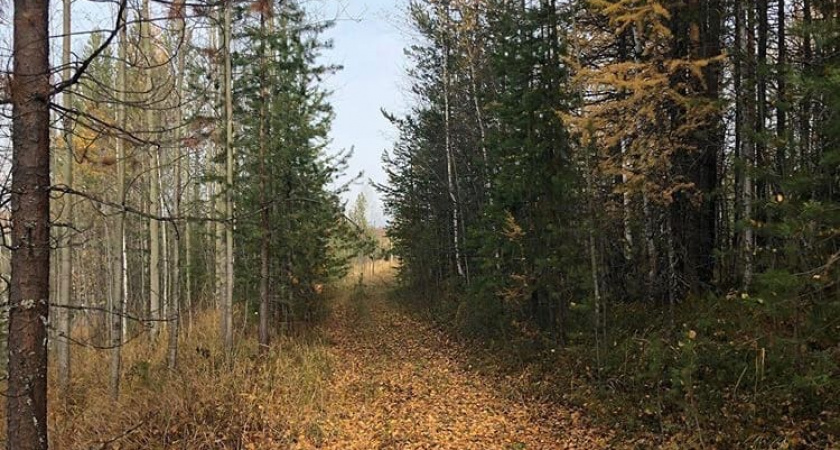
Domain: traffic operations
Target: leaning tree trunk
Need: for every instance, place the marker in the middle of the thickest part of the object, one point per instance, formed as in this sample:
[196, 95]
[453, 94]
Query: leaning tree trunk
[29, 291]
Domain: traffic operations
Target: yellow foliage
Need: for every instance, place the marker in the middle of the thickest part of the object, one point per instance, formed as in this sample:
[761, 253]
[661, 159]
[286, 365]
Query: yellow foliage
[640, 113]
[512, 230]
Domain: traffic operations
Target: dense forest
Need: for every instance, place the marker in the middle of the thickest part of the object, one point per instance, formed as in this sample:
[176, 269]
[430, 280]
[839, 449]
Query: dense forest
[611, 224]
[651, 187]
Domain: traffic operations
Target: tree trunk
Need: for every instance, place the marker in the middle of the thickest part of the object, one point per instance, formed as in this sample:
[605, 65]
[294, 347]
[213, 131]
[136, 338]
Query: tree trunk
[154, 182]
[737, 80]
[693, 214]
[215, 230]
[593, 257]
[227, 307]
[450, 161]
[748, 244]
[650, 248]
[265, 226]
[781, 97]
[712, 142]
[761, 137]
[65, 278]
[175, 308]
[192, 198]
[806, 106]
[29, 291]
[120, 294]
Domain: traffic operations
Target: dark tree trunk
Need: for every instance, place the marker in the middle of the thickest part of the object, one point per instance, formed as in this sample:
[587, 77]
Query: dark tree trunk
[265, 226]
[706, 179]
[30, 285]
[737, 82]
[697, 33]
[805, 108]
[781, 97]
[761, 133]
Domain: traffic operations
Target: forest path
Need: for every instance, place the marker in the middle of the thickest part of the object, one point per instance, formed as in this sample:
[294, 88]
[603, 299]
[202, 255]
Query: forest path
[397, 383]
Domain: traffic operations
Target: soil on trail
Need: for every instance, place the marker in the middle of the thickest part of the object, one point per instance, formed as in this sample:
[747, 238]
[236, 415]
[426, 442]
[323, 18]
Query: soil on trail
[399, 384]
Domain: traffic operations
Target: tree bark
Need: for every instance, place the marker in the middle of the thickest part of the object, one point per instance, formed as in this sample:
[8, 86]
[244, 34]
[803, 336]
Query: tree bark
[154, 181]
[65, 279]
[120, 294]
[265, 226]
[29, 311]
[748, 195]
[175, 308]
[805, 132]
[450, 161]
[737, 81]
[781, 96]
[227, 307]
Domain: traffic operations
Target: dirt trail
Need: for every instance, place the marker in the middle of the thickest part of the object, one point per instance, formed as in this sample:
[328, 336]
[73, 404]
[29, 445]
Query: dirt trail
[398, 384]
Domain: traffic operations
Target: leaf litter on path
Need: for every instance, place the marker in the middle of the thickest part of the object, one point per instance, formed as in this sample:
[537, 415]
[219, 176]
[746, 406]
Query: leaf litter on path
[398, 384]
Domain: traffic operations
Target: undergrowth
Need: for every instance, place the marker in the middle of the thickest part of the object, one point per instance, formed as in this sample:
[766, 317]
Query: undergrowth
[247, 401]
[730, 372]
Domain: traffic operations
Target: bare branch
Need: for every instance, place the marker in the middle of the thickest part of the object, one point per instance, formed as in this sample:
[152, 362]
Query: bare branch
[60, 87]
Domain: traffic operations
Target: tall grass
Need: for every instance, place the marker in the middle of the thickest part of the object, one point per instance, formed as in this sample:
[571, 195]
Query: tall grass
[209, 402]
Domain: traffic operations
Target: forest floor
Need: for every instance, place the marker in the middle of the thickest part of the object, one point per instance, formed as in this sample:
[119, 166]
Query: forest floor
[369, 376]
[398, 383]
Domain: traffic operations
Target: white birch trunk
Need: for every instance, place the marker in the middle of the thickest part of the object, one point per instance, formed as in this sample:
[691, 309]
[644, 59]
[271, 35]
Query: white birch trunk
[120, 292]
[450, 162]
[227, 305]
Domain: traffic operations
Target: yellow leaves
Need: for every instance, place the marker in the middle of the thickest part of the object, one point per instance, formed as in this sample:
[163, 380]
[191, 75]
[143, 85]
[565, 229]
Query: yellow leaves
[386, 382]
[640, 112]
[511, 229]
[641, 15]
[402, 384]
[660, 10]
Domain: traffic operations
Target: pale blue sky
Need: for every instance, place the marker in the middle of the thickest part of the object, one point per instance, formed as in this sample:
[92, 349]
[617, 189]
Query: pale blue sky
[369, 40]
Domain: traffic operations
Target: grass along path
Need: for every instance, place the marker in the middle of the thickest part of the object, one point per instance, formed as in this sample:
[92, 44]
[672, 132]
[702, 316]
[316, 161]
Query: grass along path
[370, 377]
[399, 384]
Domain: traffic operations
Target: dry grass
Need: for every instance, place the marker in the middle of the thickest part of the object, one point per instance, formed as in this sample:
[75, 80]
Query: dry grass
[209, 402]
[371, 376]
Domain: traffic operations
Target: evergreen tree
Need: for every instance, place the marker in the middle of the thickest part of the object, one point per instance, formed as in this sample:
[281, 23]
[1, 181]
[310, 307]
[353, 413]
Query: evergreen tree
[279, 75]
